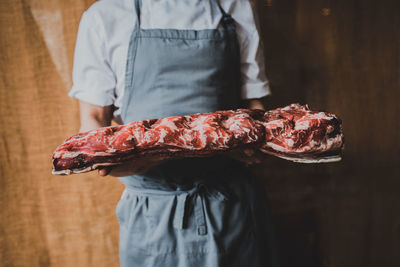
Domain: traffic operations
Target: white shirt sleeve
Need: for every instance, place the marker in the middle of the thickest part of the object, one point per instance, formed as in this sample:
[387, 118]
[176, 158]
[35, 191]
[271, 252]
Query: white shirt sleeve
[254, 81]
[93, 80]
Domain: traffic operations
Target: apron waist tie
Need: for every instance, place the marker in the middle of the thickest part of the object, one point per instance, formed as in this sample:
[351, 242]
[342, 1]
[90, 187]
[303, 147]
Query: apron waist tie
[197, 193]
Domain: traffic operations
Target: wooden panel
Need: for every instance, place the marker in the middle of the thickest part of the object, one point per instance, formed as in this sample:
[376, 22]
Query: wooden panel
[340, 56]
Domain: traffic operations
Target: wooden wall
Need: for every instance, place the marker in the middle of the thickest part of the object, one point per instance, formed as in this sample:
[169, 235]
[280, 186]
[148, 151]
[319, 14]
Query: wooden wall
[340, 56]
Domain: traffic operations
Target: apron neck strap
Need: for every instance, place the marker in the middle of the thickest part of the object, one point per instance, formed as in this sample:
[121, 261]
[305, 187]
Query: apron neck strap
[226, 18]
[138, 5]
[220, 8]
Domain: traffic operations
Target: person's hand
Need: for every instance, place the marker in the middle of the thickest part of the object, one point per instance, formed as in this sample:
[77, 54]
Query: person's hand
[249, 156]
[136, 166]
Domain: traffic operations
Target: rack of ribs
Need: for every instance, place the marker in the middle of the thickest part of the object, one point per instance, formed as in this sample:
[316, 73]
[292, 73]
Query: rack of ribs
[293, 132]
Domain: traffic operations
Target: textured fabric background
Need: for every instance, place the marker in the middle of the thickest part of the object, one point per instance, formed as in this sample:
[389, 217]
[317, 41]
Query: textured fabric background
[46, 220]
[340, 56]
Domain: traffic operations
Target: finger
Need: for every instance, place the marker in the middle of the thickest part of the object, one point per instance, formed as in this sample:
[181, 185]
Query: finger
[254, 162]
[156, 159]
[104, 171]
[249, 152]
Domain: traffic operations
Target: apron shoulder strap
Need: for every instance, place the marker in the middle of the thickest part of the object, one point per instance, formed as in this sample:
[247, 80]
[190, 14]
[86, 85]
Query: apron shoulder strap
[137, 6]
[226, 20]
[221, 8]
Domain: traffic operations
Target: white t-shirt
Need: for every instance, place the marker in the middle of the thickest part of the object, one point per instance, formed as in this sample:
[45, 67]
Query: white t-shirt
[105, 29]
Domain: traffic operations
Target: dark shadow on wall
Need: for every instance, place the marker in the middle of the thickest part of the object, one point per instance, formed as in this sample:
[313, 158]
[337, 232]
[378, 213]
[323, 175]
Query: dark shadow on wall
[343, 57]
[288, 60]
[298, 240]
[291, 73]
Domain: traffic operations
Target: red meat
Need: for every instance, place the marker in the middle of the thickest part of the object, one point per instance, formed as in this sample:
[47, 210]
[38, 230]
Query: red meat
[293, 132]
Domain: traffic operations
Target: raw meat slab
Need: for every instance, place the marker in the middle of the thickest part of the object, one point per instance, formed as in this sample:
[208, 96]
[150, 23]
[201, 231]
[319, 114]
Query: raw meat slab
[294, 133]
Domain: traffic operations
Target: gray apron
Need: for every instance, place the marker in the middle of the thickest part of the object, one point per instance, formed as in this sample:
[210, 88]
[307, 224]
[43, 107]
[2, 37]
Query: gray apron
[197, 211]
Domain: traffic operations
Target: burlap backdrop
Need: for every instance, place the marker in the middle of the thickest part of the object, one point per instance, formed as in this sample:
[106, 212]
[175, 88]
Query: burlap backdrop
[341, 56]
[46, 220]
